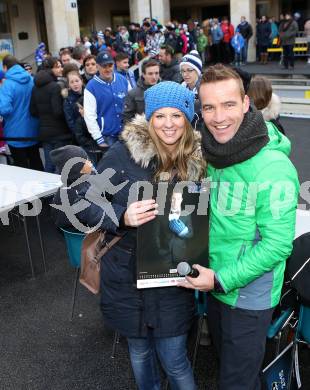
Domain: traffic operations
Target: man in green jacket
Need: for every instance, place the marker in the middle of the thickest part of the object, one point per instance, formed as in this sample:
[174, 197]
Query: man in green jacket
[253, 200]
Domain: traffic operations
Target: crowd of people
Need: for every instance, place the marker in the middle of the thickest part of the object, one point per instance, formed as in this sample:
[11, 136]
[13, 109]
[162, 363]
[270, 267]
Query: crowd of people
[187, 124]
[87, 93]
[216, 39]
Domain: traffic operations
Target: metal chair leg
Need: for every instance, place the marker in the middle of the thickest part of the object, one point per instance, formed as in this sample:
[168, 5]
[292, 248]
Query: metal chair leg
[115, 342]
[41, 243]
[76, 278]
[28, 246]
[197, 342]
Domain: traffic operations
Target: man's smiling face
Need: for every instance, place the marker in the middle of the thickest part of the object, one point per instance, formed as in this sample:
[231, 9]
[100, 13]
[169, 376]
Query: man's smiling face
[223, 108]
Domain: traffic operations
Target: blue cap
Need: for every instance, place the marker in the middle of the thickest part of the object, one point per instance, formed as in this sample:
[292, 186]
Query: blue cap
[169, 94]
[104, 58]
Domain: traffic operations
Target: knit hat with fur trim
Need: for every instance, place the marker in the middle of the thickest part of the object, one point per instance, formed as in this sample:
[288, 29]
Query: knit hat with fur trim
[193, 60]
[169, 94]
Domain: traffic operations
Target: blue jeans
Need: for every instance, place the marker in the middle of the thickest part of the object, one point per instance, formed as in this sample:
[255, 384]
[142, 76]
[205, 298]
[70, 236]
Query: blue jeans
[172, 354]
[47, 148]
[244, 52]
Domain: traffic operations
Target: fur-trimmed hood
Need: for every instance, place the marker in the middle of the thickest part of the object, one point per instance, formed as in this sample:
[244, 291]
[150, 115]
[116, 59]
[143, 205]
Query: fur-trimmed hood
[142, 149]
[272, 111]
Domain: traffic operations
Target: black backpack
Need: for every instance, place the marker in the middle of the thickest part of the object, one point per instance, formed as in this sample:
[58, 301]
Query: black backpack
[297, 273]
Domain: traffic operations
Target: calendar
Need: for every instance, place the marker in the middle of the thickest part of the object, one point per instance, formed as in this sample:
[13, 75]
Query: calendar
[178, 233]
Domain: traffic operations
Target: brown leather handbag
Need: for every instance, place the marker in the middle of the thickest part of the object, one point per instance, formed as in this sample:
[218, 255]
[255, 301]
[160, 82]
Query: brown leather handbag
[94, 246]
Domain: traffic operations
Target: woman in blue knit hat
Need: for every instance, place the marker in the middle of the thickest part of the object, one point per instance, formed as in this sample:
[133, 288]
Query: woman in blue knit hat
[161, 145]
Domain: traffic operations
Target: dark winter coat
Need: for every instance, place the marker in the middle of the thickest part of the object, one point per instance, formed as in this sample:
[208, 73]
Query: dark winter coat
[263, 33]
[73, 195]
[288, 30]
[71, 109]
[83, 137]
[134, 101]
[245, 30]
[171, 72]
[47, 104]
[169, 311]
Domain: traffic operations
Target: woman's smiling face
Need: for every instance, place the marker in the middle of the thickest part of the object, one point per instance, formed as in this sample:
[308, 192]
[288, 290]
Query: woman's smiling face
[169, 126]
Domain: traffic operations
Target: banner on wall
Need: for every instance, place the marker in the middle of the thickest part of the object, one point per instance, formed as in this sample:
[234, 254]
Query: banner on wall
[6, 47]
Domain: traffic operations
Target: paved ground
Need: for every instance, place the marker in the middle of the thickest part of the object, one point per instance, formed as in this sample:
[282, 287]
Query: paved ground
[40, 349]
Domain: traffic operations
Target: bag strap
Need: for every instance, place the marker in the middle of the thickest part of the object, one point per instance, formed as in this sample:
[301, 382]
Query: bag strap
[107, 246]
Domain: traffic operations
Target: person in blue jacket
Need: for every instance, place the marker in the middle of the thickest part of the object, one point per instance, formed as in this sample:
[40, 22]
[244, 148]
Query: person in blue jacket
[103, 102]
[15, 97]
[40, 53]
[237, 42]
[122, 67]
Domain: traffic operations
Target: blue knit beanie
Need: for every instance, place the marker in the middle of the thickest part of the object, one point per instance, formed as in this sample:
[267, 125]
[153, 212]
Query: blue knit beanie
[169, 94]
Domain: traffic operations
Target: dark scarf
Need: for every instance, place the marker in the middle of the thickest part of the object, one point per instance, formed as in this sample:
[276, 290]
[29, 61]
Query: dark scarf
[251, 137]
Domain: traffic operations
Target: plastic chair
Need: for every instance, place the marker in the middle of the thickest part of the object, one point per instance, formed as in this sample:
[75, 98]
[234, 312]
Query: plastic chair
[74, 248]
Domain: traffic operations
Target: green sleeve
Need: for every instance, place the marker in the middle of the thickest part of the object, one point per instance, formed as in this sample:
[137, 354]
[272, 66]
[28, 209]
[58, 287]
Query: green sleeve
[275, 214]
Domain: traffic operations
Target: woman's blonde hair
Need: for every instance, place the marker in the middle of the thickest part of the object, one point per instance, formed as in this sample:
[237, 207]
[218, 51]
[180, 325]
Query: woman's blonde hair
[167, 162]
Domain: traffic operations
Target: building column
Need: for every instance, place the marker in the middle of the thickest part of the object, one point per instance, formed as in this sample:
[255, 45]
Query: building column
[158, 9]
[62, 23]
[245, 8]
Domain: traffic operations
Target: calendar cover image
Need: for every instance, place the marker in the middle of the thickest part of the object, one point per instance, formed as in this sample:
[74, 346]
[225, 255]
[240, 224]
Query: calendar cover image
[178, 233]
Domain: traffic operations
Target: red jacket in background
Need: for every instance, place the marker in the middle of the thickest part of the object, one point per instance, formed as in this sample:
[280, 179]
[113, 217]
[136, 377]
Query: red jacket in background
[228, 31]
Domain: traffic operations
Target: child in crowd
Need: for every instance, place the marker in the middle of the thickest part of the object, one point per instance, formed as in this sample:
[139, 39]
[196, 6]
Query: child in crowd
[69, 194]
[137, 56]
[237, 42]
[71, 96]
[122, 67]
[202, 45]
[142, 48]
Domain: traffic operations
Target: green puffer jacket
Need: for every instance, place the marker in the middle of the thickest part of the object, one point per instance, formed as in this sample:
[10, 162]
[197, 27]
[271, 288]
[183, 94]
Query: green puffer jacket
[252, 224]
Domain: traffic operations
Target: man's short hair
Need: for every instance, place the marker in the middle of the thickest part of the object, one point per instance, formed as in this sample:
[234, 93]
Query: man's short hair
[50, 62]
[220, 72]
[121, 56]
[9, 61]
[65, 52]
[148, 64]
[168, 49]
[79, 52]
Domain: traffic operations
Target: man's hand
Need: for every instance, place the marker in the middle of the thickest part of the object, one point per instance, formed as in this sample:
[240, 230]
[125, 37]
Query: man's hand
[204, 282]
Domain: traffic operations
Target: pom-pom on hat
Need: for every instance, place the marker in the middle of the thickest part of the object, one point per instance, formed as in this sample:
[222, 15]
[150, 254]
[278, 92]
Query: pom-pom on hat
[169, 94]
[193, 60]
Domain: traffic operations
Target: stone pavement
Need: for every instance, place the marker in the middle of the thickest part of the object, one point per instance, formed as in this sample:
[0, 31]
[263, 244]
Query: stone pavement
[42, 350]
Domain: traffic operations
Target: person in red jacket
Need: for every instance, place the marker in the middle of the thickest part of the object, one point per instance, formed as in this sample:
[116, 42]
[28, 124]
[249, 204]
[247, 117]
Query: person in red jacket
[228, 32]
